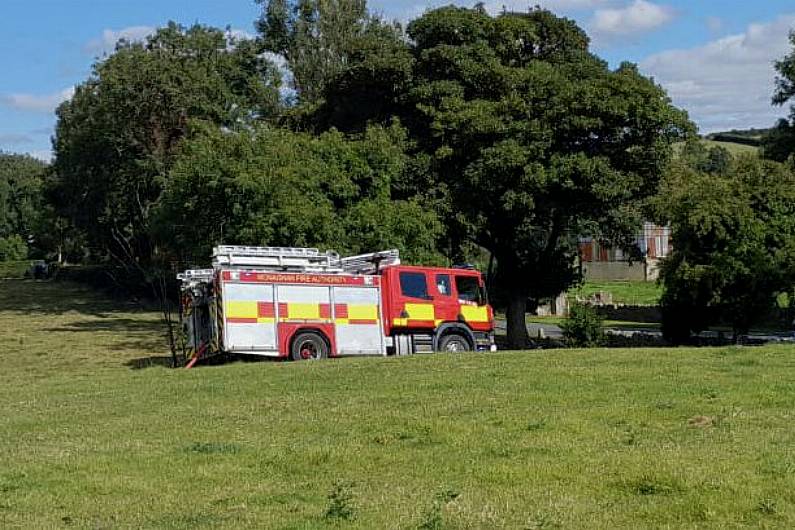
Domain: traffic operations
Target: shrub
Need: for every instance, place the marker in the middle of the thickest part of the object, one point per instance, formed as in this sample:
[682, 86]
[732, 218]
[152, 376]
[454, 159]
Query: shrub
[13, 248]
[582, 327]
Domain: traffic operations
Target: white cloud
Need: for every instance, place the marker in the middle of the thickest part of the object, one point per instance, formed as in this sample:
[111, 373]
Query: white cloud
[45, 155]
[729, 82]
[14, 139]
[637, 17]
[554, 5]
[107, 42]
[37, 103]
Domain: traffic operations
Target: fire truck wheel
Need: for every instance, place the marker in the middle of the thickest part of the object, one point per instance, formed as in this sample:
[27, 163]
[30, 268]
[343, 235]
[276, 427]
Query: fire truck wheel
[454, 343]
[308, 346]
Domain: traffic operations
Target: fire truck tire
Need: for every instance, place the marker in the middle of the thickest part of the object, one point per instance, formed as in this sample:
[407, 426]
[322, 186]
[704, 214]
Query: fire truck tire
[453, 342]
[310, 346]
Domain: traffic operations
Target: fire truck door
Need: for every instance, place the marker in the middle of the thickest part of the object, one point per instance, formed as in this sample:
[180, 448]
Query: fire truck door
[445, 303]
[357, 320]
[250, 317]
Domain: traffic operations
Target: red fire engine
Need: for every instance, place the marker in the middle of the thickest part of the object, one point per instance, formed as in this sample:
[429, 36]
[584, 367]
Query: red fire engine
[299, 303]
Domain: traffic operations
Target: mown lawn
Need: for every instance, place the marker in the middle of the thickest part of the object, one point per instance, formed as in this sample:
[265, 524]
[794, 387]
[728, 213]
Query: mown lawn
[676, 438]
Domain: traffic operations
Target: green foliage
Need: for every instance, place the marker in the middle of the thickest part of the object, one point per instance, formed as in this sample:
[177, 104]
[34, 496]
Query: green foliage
[14, 269]
[523, 138]
[582, 328]
[733, 245]
[21, 202]
[250, 188]
[13, 248]
[705, 158]
[316, 37]
[117, 138]
[779, 143]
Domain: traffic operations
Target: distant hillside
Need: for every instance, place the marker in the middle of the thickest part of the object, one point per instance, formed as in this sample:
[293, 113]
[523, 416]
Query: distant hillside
[752, 137]
[734, 148]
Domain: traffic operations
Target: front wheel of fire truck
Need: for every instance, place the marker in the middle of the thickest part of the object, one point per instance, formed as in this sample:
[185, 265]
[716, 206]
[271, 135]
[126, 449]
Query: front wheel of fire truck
[454, 343]
[308, 346]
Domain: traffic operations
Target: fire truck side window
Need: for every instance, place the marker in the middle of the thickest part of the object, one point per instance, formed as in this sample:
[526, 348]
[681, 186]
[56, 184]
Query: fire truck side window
[443, 284]
[413, 285]
[468, 289]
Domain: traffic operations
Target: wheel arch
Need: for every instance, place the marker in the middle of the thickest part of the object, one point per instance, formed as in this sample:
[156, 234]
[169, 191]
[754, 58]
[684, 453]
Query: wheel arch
[453, 328]
[289, 332]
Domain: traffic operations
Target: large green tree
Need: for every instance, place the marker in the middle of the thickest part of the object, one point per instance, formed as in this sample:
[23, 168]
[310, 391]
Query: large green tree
[250, 187]
[117, 138]
[525, 138]
[779, 143]
[733, 244]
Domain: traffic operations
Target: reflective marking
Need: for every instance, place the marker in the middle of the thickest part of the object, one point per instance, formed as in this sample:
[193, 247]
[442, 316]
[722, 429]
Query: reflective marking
[241, 309]
[362, 311]
[420, 311]
[473, 313]
[303, 311]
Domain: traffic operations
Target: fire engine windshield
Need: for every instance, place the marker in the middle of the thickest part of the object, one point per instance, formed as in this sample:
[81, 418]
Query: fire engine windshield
[469, 290]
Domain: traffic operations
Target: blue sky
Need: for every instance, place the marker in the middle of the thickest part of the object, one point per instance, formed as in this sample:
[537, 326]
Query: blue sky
[713, 56]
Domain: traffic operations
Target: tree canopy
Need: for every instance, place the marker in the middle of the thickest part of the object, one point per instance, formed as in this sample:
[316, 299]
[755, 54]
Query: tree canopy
[733, 244]
[117, 138]
[21, 204]
[525, 138]
[250, 187]
[316, 38]
[779, 143]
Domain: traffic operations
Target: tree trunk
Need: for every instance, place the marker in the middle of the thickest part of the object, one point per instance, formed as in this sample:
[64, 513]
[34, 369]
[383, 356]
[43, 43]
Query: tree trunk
[515, 316]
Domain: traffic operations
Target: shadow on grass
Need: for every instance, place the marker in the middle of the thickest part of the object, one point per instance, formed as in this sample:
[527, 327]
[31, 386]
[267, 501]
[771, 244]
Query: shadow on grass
[137, 334]
[165, 361]
[111, 324]
[54, 297]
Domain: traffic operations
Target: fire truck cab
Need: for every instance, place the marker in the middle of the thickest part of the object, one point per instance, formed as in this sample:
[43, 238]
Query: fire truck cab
[299, 303]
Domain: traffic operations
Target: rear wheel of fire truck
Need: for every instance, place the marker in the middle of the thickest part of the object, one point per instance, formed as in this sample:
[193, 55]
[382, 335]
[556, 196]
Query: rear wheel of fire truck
[454, 343]
[308, 346]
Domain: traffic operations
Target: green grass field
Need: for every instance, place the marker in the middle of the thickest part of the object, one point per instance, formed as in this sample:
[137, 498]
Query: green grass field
[624, 292]
[676, 438]
[734, 148]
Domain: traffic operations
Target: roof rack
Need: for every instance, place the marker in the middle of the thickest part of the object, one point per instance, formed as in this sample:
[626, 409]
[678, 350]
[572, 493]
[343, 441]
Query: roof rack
[370, 263]
[276, 258]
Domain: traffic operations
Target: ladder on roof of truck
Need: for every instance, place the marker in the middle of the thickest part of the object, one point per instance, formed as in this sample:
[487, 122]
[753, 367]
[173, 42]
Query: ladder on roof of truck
[301, 259]
[276, 258]
[370, 263]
